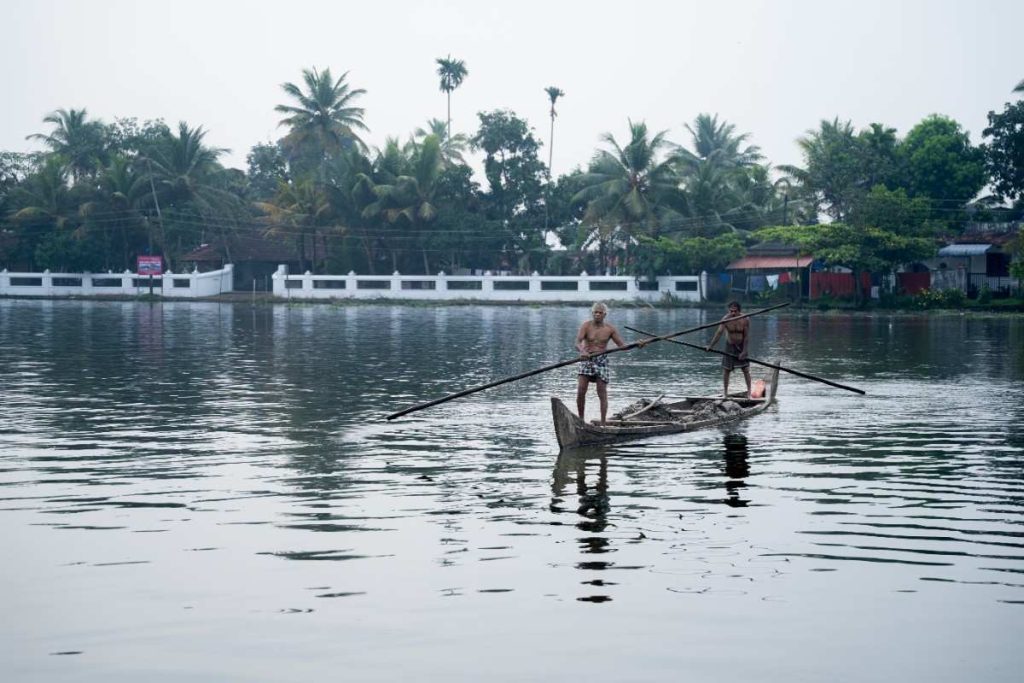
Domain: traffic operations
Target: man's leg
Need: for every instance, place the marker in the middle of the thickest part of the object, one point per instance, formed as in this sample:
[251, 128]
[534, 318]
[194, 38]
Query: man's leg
[746, 376]
[725, 381]
[602, 395]
[581, 394]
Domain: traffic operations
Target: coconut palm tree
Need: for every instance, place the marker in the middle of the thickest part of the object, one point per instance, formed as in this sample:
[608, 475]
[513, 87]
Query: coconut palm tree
[452, 149]
[719, 141]
[452, 72]
[77, 140]
[298, 213]
[633, 189]
[187, 178]
[121, 193]
[324, 120]
[408, 200]
[553, 95]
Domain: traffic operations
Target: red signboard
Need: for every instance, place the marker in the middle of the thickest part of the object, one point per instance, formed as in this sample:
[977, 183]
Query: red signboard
[150, 265]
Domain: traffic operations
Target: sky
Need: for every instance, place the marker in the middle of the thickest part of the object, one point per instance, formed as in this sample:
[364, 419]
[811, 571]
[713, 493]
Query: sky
[774, 69]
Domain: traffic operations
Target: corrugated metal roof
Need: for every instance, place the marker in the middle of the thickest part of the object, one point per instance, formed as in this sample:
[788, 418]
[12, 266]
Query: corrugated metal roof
[964, 249]
[778, 262]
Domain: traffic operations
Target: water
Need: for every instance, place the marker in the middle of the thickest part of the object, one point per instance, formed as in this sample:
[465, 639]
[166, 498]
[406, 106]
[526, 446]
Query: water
[204, 492]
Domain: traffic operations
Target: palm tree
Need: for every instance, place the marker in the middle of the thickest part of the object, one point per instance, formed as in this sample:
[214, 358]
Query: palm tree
[631, 189]
[121, 194]
[298, 212]
[46, 210]
[325, 118]
[185, 176]
[718, 141]
[553, 95]
[452, 149]
[78, 141]
[452, 72]
[1020, 87]
[408, 200]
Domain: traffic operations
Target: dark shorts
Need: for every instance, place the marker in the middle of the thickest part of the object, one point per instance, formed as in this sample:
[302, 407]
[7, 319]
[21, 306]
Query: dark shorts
[596, 369]
[730, 363]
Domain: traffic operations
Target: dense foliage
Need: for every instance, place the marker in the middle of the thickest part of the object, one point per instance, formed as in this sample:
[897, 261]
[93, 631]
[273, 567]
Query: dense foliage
[102, 193]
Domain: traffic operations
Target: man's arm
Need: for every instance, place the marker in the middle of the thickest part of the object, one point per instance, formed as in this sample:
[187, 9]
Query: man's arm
[714, 340]
[581, 337]
[616, 337]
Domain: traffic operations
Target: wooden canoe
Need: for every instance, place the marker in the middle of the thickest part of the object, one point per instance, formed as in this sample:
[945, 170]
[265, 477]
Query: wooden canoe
[652, 418]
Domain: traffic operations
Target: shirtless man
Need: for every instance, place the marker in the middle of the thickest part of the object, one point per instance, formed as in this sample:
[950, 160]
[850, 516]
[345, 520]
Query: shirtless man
[738, 332]
[593, 338]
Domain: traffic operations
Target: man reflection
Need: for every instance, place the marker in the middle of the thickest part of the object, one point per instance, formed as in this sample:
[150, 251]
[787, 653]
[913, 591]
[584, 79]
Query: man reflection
[737, 468]
[592, 510]
[593, 500]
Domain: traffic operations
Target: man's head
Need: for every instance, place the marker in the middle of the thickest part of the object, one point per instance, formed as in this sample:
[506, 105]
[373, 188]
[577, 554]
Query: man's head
[599, 310]
[734, 307]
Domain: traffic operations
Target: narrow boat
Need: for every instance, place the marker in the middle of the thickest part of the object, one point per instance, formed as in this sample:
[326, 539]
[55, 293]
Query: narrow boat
[651, 418]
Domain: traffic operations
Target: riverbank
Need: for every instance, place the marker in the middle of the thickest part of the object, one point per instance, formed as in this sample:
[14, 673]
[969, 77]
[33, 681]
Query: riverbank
[905, 305]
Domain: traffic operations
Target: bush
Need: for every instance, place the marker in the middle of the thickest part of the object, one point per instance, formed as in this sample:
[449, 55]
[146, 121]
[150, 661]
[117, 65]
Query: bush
[985, 295]
[939, 298]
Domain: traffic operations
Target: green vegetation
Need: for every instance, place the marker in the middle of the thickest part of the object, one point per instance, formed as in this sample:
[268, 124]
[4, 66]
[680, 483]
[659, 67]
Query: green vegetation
[102, 193]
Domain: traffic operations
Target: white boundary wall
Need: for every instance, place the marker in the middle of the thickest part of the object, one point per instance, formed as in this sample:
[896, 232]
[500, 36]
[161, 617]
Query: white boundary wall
[178, 285]
[487, 287]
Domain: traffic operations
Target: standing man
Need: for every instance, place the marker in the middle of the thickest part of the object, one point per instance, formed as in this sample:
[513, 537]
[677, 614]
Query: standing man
[593, 338]
[737, 340]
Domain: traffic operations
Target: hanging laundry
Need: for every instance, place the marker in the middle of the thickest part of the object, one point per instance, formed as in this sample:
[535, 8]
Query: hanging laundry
[773, 281]
[757, 283]
[784, 278]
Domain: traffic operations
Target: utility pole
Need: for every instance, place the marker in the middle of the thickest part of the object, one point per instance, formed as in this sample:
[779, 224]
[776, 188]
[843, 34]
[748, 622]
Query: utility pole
[152, 188]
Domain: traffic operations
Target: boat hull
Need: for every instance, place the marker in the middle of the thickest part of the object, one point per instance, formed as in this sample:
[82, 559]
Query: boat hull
[688, 416]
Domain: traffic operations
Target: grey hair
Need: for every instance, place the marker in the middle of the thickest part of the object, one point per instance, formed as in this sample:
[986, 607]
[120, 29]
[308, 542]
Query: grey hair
[599, 306]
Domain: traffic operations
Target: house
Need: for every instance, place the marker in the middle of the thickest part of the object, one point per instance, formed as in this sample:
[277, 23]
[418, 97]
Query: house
[980, 258]
[770, 266]
[255, 259]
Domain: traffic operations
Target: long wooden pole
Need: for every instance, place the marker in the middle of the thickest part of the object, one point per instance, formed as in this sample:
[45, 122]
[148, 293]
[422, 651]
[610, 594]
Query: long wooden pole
[757, 362]
[531, 373]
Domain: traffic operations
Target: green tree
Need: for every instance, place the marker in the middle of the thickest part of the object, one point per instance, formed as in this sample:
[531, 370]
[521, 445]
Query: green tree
[515, 178]
[718, 141]
[451, 72]
[452, 149]
[1004, 153]
[117, 206]
[665, 255]
[189, 185]
[864, 248]
[832, 174]
[268, 168]
[408, 200]
[324, 120]
[299, 213]
[80, 142]
[631, 190]
[940, 163]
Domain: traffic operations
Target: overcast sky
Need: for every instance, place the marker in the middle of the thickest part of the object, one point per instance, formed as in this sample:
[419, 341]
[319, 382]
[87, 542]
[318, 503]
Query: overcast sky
[774, 69]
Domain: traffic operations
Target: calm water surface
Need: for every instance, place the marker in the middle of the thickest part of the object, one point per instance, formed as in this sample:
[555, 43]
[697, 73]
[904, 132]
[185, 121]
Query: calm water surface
[209, 492]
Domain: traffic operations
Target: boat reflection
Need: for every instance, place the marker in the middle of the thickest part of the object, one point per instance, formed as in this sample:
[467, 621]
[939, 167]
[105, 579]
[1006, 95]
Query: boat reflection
[737, 468]
[585, 470]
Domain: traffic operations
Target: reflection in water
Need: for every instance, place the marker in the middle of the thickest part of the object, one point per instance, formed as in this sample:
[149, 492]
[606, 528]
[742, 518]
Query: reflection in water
[737, 468]
[592, 507]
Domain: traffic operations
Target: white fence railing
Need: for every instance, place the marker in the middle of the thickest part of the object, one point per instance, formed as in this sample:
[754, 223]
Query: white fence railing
[489, 287]
[178, 285]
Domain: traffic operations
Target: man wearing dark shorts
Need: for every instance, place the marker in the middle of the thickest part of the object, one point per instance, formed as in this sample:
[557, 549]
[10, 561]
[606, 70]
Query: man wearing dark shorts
[737, 336]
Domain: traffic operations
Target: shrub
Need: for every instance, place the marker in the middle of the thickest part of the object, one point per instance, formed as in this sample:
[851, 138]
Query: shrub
[939, 298]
